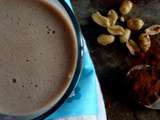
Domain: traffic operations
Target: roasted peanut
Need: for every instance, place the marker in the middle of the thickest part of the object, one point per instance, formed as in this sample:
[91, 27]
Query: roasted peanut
[132, 47]
[113, 17]
[144, 42]
[126, 7]
[105, 39]
[135, 24]
[153, 30]
[100, 20]
[116, 30]
[125, 37]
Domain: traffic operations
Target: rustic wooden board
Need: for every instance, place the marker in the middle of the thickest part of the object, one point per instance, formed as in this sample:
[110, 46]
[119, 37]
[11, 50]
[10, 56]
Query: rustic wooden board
[111, 62]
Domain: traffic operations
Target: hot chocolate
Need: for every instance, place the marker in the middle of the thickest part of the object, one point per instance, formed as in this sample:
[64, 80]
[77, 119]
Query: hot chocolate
[37, 55]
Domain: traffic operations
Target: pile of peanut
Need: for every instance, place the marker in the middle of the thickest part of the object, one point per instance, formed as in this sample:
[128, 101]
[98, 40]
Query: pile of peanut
[124, 34]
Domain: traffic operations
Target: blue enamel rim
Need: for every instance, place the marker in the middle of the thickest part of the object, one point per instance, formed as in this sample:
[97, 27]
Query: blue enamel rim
[78, 67]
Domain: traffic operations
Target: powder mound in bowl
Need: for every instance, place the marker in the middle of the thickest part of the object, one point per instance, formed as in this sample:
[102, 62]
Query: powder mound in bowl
[145, 83]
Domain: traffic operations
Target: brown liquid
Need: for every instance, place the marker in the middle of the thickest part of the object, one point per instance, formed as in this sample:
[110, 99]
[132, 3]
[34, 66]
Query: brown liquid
[37, 55]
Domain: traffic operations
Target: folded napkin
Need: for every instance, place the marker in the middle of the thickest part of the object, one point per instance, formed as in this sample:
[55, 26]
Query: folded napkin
[86, 101]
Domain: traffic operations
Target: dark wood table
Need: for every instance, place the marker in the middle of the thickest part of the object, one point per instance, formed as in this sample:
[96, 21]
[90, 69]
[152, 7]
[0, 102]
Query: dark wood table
[110, 65]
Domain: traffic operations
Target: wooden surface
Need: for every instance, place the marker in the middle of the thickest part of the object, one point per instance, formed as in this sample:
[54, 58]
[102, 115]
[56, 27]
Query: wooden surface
[111, 62]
